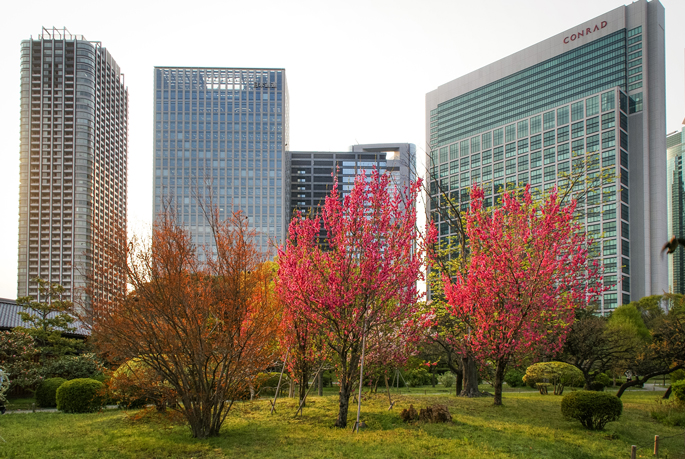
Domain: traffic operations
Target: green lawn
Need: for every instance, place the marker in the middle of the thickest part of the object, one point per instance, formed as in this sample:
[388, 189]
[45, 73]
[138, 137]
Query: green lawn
[527, 426]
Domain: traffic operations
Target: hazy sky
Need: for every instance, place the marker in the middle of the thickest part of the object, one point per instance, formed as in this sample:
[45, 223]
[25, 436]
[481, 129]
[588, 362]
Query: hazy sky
[357, 71]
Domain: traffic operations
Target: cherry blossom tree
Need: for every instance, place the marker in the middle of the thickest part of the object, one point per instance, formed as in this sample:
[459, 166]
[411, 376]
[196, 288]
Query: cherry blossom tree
[528, 273]
[364, 279]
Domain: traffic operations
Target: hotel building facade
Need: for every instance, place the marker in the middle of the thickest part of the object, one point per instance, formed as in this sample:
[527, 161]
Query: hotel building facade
[587, 103]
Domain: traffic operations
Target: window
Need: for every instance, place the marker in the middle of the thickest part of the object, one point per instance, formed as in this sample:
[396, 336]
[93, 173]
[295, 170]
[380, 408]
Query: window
[624, 212]
[625, 248]
[624, 195]
[608, 139]
[475, 144]
[550, 153]
[548, 120]
[498, 154]
[510, 133]
[536, 176]
[577, 111]
[562, 134]
[562, 152]
[625, 230]
[454, 151]
[609, 246]
[593, 143]
[522, 129]
[592, 125]
[465, 179]
[608, 102]
[444, 168]
[635, 103]
[609, 229]
[625, 266]
[577, 130]
[592, 106]
[578, 147]
[464, 147]
[522, 146]
[454, 167]
[487, 157]
[465, 164]
[443, 154]
[608, 120]
[609, 193]
[609, 211]
[475, 161]
[549, 137]
[523, 179]
[608, 158]
[486, 140]
[562, 116]
[511, 166]
[510, 149]
[536, 159]
[536, 142]
[499, 170]
[487, 173]
[549, 173]
[593, 214]
[535, 125]
[498, 137]
[523, 163]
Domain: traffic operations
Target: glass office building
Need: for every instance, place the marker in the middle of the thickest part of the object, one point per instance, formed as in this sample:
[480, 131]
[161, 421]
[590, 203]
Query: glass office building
[73, 164]
[220, 139]
[589, 104]
[675, 143]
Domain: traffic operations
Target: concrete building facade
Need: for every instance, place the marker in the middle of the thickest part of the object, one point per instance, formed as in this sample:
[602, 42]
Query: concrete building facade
[73, 163]
[675, 143]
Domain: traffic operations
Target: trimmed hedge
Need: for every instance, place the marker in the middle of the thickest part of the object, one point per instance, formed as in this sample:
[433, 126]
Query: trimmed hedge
[597, 386]
[593, 409]
[46, 393]
[83, 395]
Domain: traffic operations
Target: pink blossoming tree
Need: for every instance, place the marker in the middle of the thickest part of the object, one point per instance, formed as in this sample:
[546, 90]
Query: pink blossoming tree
[362, 279]
[528, 272]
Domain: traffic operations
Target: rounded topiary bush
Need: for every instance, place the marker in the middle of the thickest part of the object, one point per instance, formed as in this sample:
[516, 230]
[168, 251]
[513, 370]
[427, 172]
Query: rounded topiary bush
[83, 395]
[46, 392]
[597, 386]
[593, 409]
[678, 389]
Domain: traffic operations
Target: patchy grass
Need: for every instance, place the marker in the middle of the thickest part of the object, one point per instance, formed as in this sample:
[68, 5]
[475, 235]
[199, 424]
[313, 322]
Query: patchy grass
[527, 426]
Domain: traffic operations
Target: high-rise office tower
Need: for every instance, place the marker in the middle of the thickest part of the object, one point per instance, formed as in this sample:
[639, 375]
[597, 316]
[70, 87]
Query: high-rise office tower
[590, 99]
[675, 143]
[311, 171]
[73, 167]
[220, 139]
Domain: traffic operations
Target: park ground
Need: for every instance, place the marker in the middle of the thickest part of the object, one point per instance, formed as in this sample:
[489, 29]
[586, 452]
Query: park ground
[529, 425]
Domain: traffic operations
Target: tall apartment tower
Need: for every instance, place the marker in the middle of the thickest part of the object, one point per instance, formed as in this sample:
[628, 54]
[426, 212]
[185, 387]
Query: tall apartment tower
[589, 99]
[220, 138]
[675, 143]
[73, 166]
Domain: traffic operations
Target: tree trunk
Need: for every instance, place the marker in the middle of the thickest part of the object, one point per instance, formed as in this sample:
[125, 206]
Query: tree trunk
[460, 382]
[499, 379]
[433, 379]
[291, 389]
[303, 390]
[470, 378]
[668, 393]
[344, 404]
[321, 384]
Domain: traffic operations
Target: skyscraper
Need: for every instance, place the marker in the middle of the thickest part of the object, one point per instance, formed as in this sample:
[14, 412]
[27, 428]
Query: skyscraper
[311, 171]
[675, 143]
[220, 139]
[589, 99]
[73, 166]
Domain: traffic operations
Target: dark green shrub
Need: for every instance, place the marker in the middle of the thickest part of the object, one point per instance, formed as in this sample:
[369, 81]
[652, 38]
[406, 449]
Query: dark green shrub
[592, 409]
[72, 367]
[678, 389]
[604, 379]
[82, 395]
[46, 392]
[514, 378]
[418, 377]
[596, 386]
[678, 375]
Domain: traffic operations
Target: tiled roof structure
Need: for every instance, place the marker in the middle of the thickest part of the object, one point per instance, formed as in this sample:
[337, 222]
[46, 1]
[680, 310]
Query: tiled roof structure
[10, 319]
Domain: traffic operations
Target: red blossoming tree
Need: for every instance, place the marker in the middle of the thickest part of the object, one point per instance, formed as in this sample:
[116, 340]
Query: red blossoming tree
[528, 272]
[363, 279]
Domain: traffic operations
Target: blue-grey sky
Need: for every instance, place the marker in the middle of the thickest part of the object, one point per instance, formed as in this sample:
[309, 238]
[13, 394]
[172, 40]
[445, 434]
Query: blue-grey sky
[357, 71]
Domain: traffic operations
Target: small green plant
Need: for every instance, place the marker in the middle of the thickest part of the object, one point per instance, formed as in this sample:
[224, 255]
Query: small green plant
[418, 377]
[514, 378]
[82, 395]
[593, 409]
[447, 379]
[678, 389]
[46, 393]
[558, 374]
